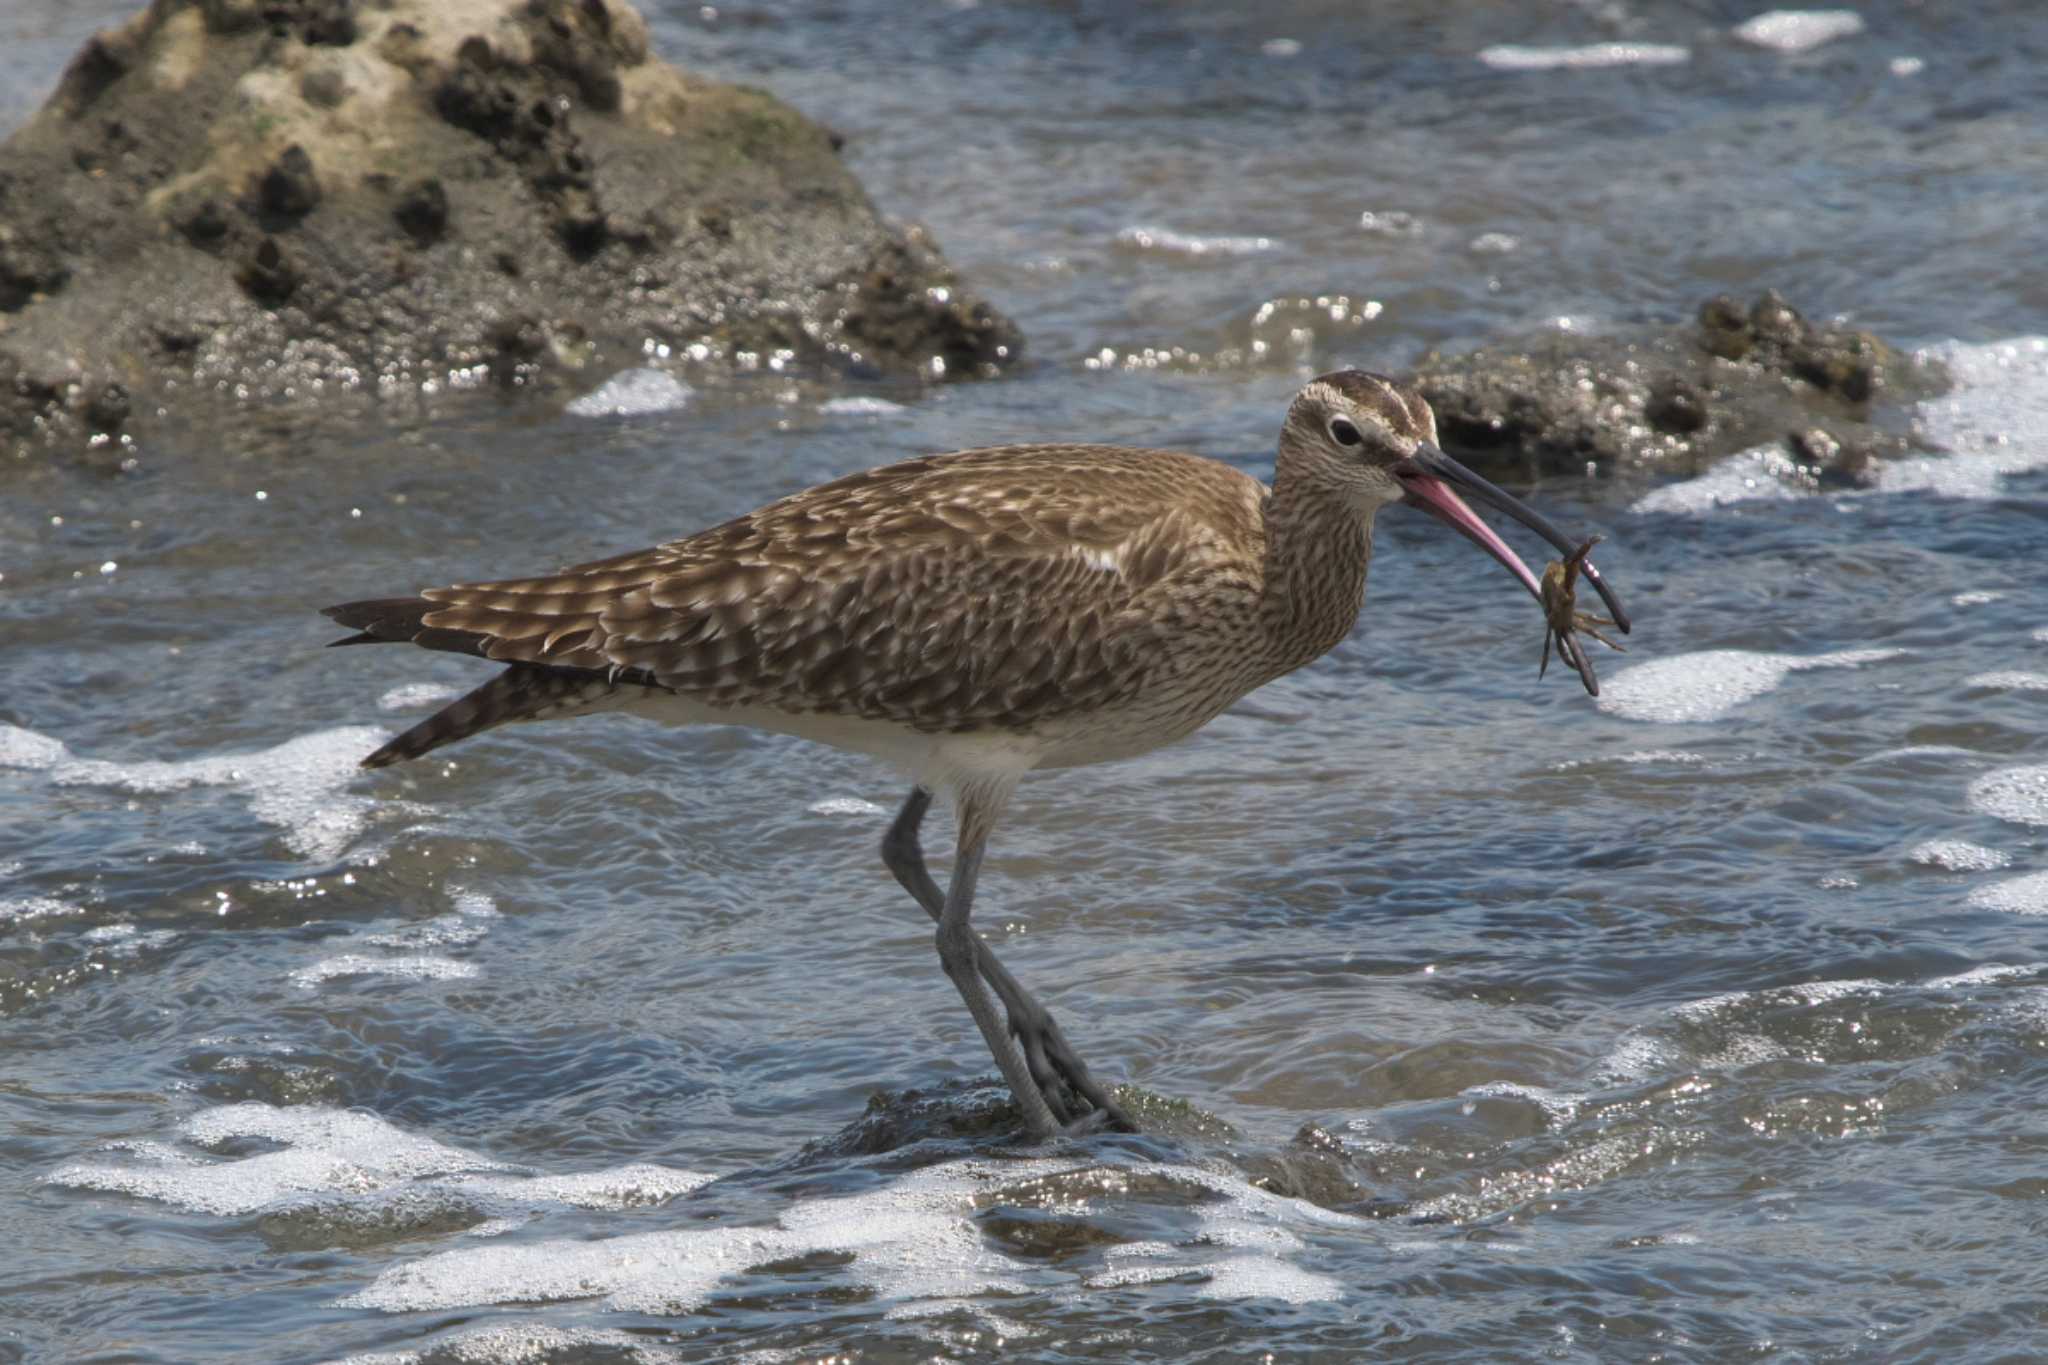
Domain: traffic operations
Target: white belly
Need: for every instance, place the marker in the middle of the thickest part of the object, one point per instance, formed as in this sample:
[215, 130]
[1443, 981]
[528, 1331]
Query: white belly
[943, 761]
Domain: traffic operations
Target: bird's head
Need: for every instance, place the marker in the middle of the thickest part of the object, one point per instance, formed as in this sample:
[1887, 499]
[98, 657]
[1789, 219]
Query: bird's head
[1372, 441]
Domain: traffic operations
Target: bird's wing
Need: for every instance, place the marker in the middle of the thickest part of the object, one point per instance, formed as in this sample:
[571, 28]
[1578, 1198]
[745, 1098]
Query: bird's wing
[985, 588]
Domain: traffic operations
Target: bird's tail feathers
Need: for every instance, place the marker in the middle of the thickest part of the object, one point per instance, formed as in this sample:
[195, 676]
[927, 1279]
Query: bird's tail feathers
[521, 692]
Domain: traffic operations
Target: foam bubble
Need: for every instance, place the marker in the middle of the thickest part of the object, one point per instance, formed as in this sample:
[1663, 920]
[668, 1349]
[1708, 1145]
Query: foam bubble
[420, 967]
[2016, 794]
[1261, 1277]
[21, 748]
[1515, 57]
[633, 393]
[912, 1240]
[2009, 680]
[443, 931]
[623, 1187]
[327, 1151]
[36, 907]
[1187, 244]
[524, 1343]
[1632, 758]
[1974, 599]
[1762, 473]
[471, 922]
[344, 1162]
[1704, 686]
[410, 696]
[1957, 855]
[915, 1246]
[1804, 993]
[1799, 30]
[1994, 422]
[296, 786]
[125, 940]
[860, 406]
[2018, 896]
[846, 805]
[1987, 974]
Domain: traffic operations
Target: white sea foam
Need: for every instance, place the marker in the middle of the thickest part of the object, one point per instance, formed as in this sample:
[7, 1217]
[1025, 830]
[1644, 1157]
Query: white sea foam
[21, 748]
[1993, 423]
[915, 1246]
[1514, 57]
[2017, 896]
[1760, 474]
[340, 1161]
[860, 406]
[1958, 855]
[471, 921]
[1987, 974]
[411, 696]
[1799, 30]
[1190, 244]
[633, 393]
[2009, 680]
[21, 908]
[1804, 993]
[527, 1343]
[125, 940]
[1705, 686]
[296, 786]
[1635, 757]
[417, 967]
[2016, 794]
[846, 805]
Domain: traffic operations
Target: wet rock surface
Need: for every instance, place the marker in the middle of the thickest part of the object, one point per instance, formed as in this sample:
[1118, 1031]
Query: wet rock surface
[284, 201]
[1676, 399]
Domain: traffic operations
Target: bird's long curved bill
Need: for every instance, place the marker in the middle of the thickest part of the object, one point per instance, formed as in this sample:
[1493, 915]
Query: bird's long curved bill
[1435, 480]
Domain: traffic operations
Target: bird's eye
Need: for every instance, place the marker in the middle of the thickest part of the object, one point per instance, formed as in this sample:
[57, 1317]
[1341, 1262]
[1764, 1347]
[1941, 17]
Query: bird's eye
[1344, 433]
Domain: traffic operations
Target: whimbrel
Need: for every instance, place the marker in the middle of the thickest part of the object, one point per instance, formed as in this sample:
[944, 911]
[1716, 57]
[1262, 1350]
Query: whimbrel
[970, 618]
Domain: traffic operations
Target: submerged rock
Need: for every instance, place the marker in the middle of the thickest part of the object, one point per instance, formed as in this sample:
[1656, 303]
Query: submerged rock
[284, 201]
[1676, 399]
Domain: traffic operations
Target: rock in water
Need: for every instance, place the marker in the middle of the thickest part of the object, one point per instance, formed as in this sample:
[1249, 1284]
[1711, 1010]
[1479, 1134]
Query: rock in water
[282, 200]
[1675, 399]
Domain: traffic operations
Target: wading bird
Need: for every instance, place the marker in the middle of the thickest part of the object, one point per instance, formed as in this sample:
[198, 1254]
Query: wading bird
[970, 618]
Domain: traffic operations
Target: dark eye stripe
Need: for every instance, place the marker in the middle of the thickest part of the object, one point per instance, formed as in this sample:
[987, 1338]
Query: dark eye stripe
[1344, 433]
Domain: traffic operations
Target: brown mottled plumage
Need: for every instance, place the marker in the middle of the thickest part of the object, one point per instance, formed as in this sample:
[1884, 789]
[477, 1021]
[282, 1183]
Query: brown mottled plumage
[972, 617]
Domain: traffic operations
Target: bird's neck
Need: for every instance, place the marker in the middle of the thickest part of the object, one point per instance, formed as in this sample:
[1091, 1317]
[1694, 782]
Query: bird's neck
[1318, 546]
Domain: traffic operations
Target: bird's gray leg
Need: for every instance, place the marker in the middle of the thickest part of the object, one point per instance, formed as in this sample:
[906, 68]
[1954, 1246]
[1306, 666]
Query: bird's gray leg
[1035, 1028]
[904, 856]
[958, 954]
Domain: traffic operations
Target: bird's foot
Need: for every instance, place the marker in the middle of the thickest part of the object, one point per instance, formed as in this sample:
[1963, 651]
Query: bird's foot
[1078, 1102]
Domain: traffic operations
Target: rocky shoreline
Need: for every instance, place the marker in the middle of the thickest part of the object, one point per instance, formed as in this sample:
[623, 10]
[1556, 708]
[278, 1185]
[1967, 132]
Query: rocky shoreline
[297, 206]
[264, 201]
[1675, 399]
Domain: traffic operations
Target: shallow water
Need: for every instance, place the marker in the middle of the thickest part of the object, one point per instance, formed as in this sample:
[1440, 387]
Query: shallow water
[1707, 1021]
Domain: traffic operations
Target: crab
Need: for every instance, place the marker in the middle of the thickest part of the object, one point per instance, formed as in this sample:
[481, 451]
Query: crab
[1562, 617]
